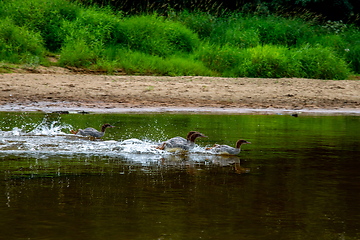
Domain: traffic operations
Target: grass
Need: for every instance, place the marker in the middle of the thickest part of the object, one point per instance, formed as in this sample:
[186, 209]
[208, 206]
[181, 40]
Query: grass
[181, 43]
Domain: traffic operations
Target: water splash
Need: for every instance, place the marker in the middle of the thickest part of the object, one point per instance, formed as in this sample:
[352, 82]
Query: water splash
[55, 128]
[50, 138]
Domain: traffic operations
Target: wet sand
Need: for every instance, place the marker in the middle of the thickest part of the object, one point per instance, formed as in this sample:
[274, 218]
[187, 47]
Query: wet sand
[66, 91]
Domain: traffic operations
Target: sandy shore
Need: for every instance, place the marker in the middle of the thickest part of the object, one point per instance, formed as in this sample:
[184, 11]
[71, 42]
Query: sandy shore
[66, 91]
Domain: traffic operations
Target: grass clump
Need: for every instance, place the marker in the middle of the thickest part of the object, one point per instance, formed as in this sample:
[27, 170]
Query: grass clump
[221, 59]
[20, 45]
[42, 16]
[266, 62]
[320, 63]
[136, 62]
[271, 61]
[153, 35]
[86, 37]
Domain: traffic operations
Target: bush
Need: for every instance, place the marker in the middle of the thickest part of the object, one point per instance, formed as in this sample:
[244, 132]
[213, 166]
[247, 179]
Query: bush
[319, 62]
[266, 62]
[86, 37]
[153, 35]
[271, 61]
[219, 58]
[352, 56]
[246, 38]
[41, 16]
[19, 45]
[351, 50]
[281, 31]
[78, 53]
[135, 62]
[202, 23]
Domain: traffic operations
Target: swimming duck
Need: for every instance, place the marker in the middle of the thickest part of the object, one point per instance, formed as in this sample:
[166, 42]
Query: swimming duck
[181, 139]
[227, 150]
[91, 132]
[178, 140]
[179, 143]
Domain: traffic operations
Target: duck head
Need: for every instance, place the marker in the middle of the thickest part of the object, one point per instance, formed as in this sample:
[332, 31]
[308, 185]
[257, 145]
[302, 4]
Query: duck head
[189, 135]
[106, 125]
[195, 135]
[240, 142]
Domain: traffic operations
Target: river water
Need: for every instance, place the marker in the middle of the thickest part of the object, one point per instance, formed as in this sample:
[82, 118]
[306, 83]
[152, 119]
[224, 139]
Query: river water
[299, 179]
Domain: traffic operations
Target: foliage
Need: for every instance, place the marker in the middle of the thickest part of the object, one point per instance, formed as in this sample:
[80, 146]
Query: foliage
[78, 53]
[266, 61]
[319, 62]
[270, 61]
[19, 45]
[231, 44]
[245, 30]
[278, 30]
[42, 16]
[334, 10]
[86, 36]
[219, 58]
[135, 62]
[153, 35]
[352, 55]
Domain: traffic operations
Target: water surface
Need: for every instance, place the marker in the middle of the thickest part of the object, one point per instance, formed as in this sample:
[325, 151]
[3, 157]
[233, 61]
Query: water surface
[299, 179]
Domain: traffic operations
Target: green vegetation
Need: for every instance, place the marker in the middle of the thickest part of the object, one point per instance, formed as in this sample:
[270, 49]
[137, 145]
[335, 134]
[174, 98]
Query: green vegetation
[236, 44]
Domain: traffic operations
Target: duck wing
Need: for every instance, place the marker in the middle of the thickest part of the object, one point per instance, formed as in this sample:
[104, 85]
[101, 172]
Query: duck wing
[225, 149]
[176, 142]
[91, 132]
[171, 143]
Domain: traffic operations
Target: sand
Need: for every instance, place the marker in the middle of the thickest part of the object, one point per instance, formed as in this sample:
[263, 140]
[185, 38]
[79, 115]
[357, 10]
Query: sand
[64, 90]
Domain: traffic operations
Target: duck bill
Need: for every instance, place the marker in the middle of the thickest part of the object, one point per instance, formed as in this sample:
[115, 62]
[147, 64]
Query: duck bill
[247, 142]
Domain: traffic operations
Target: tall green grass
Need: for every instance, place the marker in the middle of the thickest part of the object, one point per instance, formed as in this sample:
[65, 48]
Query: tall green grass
[86, 36]
[19, 44]
[181, 43]
[136, 62]
[270, 61]
[42, 16]
[154, 35]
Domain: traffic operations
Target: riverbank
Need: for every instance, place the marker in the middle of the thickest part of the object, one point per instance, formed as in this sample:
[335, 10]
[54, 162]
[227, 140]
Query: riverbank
[66, 91]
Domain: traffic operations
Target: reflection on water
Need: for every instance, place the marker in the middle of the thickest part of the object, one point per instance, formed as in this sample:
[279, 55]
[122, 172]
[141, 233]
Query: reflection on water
[298, 179]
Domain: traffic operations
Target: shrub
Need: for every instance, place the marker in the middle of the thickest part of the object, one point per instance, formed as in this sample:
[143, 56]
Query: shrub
[78, 53]
[243, 30]
[18, 44]
[352, 55]
[41, 16]
[152, 35]
[352, 48]
[219, 58]
[221, 30]
[86, 36]
[246, 38]
[135, 62]
[202, 23]
[266, 62]
[281, 31]
[319, 62]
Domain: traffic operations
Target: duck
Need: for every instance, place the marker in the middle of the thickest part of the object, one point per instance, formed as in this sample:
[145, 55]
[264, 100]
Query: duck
[181, 139]
[227, 150]
[178, 140]
[179, 143]
[92, 132]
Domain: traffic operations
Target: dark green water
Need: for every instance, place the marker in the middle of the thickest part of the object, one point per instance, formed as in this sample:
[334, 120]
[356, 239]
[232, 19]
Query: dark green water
[299, 179]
